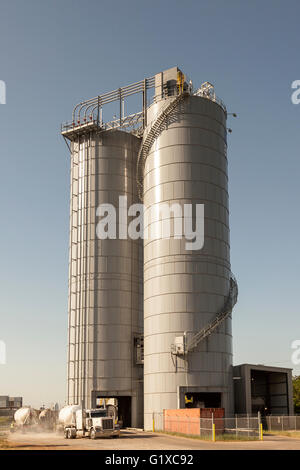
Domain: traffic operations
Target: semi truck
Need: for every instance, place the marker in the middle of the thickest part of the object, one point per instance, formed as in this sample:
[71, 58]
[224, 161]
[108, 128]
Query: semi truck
[93, 423]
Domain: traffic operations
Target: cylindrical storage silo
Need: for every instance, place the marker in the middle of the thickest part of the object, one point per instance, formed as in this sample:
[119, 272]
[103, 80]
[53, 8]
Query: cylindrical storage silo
[184, 290]
[105, 294]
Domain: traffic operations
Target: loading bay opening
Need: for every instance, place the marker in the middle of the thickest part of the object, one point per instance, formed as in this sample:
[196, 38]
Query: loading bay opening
[123, 404]
[203, 400]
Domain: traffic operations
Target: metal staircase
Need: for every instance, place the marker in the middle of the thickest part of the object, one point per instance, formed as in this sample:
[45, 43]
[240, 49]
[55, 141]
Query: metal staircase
[147, 142]
[208, 330]
[152, 134]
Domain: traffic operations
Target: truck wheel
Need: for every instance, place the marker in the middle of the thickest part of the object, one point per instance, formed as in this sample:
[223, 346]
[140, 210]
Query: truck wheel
[92, 434]
[66, 434]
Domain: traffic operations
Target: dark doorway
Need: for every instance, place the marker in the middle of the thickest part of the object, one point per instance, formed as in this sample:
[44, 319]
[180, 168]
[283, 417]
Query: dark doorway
[124, 411]
[202, 400]
[269, 393]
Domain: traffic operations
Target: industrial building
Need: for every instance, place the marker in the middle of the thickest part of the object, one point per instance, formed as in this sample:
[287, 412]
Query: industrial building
[8, 405]
[263, 389]
[149, 319]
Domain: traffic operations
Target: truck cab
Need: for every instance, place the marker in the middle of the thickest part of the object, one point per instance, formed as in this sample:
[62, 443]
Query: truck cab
[92, 423]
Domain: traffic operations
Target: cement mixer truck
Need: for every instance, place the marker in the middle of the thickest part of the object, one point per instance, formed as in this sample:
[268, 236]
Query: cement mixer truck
[25, 418]
[94, 423]
[47, 419]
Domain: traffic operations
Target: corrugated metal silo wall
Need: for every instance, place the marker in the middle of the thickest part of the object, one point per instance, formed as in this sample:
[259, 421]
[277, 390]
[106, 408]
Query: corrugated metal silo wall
[105, 276]
[185, 290]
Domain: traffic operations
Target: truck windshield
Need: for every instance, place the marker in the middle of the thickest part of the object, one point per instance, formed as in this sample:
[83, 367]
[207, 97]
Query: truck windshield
[98, 414]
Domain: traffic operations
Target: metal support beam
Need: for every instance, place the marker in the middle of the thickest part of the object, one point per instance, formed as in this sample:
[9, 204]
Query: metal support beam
[145, 104]
[120, 102]
[67, 143]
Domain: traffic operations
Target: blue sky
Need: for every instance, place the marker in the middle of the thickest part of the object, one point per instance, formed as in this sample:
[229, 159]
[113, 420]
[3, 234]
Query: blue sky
[55, 53]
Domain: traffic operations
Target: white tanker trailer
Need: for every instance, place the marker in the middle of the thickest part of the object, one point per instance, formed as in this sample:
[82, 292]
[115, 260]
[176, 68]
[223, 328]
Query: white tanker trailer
[66, 415]
[25, 418]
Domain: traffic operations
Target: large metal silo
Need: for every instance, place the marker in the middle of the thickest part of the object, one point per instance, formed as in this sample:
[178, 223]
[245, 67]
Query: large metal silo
[153, 302]
[188, 295]
[105, 276]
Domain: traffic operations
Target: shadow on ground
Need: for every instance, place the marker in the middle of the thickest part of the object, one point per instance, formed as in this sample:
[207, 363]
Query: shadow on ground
[130, 435]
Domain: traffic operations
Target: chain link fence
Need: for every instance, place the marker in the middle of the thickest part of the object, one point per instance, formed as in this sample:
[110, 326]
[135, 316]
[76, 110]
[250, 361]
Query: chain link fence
[209, 428]
[281, 423]
[239, 426]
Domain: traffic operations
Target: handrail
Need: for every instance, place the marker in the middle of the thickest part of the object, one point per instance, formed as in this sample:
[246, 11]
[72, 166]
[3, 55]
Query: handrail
[111, 96]
[226, 311]
[149, 138]
[84, 113]
[212, 97]
[127, 121]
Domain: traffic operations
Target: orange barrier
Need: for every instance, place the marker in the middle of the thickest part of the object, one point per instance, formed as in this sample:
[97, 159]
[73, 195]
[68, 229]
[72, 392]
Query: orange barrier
[194, 420]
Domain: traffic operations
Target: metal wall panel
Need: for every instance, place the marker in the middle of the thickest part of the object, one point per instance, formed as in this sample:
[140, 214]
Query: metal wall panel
[105, 276]
[185, 290]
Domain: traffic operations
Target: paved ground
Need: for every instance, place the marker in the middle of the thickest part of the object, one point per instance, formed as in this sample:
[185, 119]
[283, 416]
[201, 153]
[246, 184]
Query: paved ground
[137, 440]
